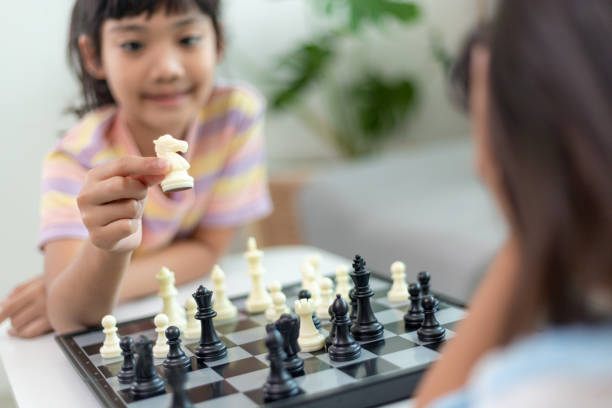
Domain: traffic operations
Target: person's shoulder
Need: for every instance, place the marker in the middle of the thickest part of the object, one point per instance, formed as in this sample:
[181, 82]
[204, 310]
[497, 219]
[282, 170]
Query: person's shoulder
[87, 137]
[237, 99]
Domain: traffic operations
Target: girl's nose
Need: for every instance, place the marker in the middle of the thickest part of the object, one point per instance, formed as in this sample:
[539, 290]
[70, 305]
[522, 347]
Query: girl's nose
[167, 66]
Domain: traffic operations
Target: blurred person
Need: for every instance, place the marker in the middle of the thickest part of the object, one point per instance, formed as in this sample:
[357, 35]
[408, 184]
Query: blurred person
[146, 68]
[539, 328]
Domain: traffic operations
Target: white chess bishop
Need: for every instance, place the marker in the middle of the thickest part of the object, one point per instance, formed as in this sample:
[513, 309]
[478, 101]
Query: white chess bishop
[327, 296]
[342, 282]
[222, 305]
[399, 289]
[168, 293]
[272, 312]
[110, 348]
[161, 348]
[177, 178]
[309, 338]
[194, 327]
[259, 299]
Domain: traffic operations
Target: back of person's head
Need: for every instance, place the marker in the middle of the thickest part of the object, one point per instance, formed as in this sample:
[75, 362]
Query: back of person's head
[550, 126]
[87, 19]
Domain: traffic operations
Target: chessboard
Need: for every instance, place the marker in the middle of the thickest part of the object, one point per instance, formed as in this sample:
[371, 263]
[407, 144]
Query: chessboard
[387, 370]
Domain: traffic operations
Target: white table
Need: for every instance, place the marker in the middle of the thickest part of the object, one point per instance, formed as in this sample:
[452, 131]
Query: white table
[41, 376]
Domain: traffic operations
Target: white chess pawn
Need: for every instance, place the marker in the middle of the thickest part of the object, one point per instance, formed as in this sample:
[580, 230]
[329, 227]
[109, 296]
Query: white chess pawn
[309, 338]
[168, 293]
[399, 289]
[177, 178]
[194, 327]
[110, 348]
[278, 307]
[161, 348]
[327, 296]
[222, 305]
[259, 299]
[342, 282]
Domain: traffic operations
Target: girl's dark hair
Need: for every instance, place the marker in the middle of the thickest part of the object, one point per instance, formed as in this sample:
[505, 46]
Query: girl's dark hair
[87, 18]
[550, 84]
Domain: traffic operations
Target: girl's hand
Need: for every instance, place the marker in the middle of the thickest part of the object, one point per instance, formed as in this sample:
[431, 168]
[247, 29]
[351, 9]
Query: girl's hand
[112, 199]
[26, 306]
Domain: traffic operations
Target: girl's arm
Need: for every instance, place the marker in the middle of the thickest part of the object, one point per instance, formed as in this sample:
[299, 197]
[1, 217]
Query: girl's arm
[478, 333]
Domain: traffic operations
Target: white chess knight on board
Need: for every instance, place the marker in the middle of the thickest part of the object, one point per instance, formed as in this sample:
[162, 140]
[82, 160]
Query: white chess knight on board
[177, 179]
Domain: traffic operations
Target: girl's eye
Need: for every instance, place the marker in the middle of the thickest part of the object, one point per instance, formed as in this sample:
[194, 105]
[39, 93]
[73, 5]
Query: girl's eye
[131, 46]
[190, 40]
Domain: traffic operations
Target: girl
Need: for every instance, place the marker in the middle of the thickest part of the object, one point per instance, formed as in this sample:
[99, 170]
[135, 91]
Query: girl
[539, 332]
[146, 68]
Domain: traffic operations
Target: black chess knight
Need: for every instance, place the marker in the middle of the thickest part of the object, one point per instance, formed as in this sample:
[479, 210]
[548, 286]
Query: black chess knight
[289, 327]
[147, 382]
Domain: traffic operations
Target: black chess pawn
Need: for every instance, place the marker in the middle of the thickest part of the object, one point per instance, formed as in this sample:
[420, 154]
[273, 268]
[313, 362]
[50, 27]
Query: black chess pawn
[344, 347]
[430, 331]
[305, 294]
[176, 381]
[147, 383]
[414, 317]
[210, 348]
[126, 374]
[353, 300]
[176, 356]
[424, 279]
[279, 384]
[289, 327]
[366, 327]
[332, 331]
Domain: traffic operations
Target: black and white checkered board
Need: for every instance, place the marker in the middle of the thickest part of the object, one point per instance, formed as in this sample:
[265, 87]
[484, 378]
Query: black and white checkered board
[387, 370]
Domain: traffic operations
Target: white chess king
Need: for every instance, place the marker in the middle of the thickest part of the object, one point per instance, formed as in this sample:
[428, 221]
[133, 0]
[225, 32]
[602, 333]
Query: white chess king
[177, 178]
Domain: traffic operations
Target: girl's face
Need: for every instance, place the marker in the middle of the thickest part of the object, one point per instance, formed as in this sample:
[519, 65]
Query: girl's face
[160, 70]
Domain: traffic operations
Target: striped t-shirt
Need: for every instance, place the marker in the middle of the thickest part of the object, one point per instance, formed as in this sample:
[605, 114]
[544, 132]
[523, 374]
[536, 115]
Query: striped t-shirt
[227, 158]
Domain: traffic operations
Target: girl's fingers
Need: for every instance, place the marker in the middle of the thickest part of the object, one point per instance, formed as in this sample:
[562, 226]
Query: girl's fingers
[130, 166]
[107, 213]
[113, 189]
[35, 328]
[150, 180]
[25, 316]
[15, 304]
[107, 236]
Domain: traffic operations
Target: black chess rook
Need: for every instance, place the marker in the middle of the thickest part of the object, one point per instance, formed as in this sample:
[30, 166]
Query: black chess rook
[430, 331]
[279, 384]
[366, 327]
[210, 348]
[344, 347]
[147, 382]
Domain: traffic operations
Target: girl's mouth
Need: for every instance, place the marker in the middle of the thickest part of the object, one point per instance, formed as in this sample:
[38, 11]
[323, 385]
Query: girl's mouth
[168, 99]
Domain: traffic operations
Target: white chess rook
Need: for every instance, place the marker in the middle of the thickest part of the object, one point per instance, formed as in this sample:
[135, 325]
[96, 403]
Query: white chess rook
[194, 327]
[110, 348]
[222, 305]
[399, 289]
[309, 338]
[161, 348]
[259, 299]
[327, 296]
[168, 293]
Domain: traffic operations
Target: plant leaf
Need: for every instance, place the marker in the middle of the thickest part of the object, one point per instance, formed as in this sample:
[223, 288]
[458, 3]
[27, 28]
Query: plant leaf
[362, 11]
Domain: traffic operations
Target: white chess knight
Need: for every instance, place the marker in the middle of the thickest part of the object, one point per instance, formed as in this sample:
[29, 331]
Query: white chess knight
[399, 289]
[161, 348]
[168, 293]
[259, 299]
[222, 305]
[327, 296]
[194, 327]
[342, 282]
[110, 348]
[177, 178]
[309, 338]
[272, 314]
[310, 282]
[278, 307]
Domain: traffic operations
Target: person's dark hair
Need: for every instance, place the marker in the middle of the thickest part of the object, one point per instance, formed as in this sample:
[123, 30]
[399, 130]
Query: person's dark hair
[550, 85]
[87, 18]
